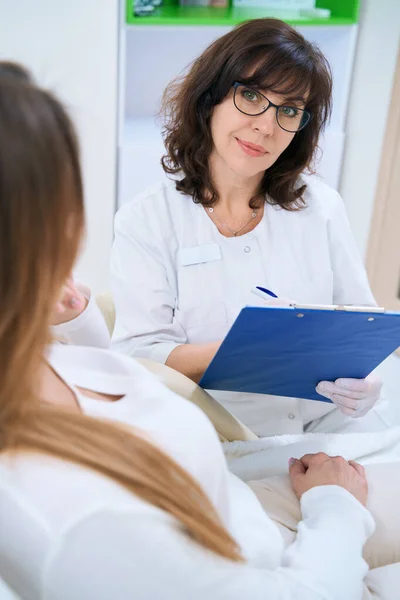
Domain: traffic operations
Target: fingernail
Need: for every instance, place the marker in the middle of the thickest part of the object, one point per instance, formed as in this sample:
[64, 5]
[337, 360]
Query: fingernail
[291, 461]
[74, 302]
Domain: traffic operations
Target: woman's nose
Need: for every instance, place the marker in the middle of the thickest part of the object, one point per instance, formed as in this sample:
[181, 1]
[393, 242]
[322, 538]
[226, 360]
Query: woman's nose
[266, 122]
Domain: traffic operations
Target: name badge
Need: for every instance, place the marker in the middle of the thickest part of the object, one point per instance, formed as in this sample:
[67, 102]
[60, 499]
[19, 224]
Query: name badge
[194, 255]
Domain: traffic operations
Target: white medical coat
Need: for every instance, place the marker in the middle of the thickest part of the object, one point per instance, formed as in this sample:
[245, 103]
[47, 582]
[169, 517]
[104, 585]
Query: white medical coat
[177, 280]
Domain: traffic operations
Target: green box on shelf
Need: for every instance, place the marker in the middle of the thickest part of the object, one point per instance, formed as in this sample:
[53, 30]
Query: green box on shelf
[343, 12]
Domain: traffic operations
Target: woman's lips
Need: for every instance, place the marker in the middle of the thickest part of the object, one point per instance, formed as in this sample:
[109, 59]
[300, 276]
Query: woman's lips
[251, 149]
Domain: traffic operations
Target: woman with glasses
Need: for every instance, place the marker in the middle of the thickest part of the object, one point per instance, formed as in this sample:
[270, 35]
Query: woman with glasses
[241, 130]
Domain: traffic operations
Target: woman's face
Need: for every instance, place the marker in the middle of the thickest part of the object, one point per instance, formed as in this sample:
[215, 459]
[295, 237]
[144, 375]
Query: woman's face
[248, 145]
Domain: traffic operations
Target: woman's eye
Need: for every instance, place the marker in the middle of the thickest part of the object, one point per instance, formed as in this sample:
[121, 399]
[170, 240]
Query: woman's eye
[289, 111]
[250, 95]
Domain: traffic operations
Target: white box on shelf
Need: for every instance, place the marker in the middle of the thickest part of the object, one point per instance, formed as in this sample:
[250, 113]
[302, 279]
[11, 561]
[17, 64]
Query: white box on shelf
[279, 5]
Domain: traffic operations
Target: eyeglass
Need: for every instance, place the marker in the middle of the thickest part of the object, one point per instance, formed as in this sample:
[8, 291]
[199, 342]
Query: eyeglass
[252, 103]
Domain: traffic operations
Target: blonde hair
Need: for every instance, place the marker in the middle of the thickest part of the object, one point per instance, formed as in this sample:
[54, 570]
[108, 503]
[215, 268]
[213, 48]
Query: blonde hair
[41, 226]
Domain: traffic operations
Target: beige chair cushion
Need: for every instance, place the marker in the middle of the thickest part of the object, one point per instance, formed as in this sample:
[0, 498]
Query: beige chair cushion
[106, 304]
[227, 426]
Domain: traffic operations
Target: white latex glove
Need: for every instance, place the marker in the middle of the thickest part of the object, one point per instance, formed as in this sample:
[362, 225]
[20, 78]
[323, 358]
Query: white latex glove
[353, 397]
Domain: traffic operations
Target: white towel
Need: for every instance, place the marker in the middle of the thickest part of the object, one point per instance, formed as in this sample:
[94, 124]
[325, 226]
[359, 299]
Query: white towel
[269, 456]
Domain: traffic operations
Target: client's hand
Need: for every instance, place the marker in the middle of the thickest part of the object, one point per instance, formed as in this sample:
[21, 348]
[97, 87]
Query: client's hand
[70, 305]
[353, 397]
[313, 470]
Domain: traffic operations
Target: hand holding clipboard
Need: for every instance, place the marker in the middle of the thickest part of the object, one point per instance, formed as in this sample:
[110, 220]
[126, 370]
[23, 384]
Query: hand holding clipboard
[353, 397]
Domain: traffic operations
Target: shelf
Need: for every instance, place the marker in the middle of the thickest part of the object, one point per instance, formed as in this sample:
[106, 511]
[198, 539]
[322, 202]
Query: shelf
[343, 12]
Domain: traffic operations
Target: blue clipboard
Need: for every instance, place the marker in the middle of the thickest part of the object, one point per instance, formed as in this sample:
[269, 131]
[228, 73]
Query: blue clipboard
[288, 351]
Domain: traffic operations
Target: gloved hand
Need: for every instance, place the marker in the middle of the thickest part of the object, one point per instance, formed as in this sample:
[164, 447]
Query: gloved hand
[353, 397]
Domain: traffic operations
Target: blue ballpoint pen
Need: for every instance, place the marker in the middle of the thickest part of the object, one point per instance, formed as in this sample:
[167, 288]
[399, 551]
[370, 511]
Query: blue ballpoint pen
[262, 292]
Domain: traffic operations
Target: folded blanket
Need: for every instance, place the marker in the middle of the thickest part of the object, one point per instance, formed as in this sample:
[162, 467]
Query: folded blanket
[269, 456]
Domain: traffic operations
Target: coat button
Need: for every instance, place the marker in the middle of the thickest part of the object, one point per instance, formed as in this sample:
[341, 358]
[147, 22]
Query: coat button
[291, 416]
[247, 248]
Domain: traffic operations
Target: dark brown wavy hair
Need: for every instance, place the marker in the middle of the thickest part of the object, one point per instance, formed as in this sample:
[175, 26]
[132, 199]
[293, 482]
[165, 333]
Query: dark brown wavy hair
[263, 53]
[15, 71]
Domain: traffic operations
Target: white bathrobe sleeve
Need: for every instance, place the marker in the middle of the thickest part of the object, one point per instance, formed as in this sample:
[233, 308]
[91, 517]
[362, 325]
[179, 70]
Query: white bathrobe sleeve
[88, 329]
[141, 553]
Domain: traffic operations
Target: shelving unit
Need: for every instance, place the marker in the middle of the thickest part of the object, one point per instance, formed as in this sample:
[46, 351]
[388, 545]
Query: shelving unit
[171, 13]
[155, 49]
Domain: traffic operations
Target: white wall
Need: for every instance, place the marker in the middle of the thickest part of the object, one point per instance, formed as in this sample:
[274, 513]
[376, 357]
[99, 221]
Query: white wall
[72, 47]
[374, 68]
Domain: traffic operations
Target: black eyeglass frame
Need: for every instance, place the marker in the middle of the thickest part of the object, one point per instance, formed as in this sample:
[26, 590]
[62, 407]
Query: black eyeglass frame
[306, 114]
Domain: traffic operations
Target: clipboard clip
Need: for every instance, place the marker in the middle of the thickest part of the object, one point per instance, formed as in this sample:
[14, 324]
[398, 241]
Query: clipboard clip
[267, 294]
[341, 307]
